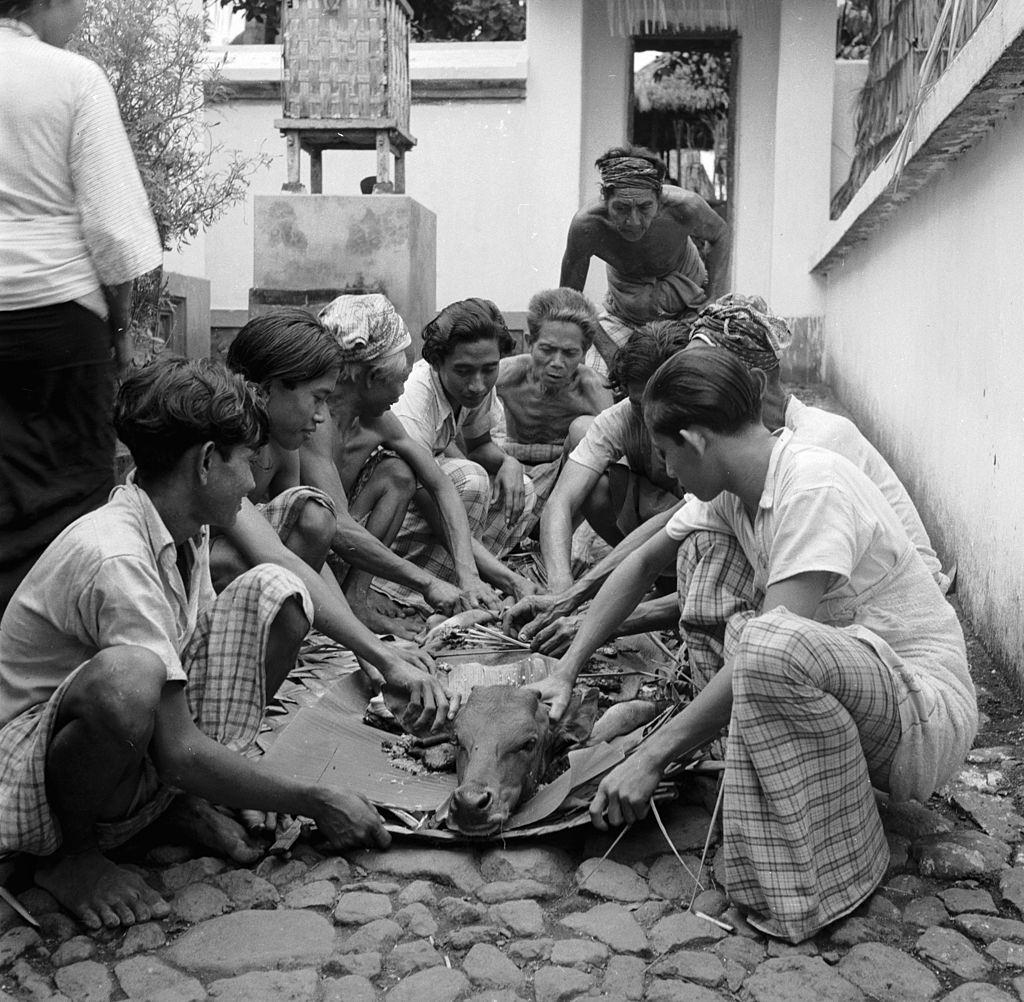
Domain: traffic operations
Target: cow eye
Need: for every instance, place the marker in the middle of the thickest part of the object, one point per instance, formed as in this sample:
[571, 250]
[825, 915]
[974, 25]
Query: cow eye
[528, 746]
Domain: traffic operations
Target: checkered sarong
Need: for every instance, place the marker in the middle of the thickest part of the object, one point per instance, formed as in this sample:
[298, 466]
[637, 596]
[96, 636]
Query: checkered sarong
[224, 659]
[815, 724]
[284, 510]
[417, 543]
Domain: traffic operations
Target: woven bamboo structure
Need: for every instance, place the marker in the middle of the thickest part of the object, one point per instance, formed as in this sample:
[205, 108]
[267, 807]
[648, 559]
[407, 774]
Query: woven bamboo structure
[904, 31]
[346, 85]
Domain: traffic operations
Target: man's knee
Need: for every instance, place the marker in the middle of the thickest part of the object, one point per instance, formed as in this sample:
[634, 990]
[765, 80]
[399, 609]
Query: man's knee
[119, 690]
[473, 484]
[577, 431]
[316, 525]
[766, 655]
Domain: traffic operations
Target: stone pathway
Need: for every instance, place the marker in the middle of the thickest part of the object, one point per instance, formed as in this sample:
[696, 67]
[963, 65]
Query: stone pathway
[549, 921]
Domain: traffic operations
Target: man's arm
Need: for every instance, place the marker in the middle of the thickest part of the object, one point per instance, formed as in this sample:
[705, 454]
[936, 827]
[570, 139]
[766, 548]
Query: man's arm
[556, 523]
[353, 542]
[257, 542]
[705, 224]
[189, 760]
[578, 250]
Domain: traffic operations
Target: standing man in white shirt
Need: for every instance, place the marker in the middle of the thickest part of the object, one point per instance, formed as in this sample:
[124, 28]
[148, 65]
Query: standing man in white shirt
[75, 231]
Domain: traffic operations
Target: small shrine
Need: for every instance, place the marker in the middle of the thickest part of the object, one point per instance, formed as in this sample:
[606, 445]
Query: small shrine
[346, 86]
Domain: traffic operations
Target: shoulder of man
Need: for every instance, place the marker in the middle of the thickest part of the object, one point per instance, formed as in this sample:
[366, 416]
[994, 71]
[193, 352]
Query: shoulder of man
[512, 370]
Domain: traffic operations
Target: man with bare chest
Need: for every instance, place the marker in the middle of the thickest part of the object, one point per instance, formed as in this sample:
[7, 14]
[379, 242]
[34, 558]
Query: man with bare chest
[546, 389]
[645, 232]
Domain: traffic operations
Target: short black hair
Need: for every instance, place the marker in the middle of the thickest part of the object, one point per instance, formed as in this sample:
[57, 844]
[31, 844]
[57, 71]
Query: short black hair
[647, 348]
[286, 344]
[702, 386]
[464, 322]
[172, 404]
[564, 305]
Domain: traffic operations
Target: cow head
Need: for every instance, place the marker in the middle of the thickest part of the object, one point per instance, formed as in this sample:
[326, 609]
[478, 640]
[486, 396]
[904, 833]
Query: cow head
[505, 742]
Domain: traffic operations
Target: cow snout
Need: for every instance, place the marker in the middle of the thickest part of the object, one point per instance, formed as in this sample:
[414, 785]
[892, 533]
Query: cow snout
[477, 799]
[475, 810]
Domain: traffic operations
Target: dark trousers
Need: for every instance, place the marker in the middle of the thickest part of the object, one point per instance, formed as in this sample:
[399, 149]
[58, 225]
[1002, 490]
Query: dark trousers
[56, 437]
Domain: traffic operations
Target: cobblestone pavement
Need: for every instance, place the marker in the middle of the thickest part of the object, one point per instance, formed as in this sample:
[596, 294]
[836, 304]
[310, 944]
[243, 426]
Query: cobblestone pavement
[548, 921]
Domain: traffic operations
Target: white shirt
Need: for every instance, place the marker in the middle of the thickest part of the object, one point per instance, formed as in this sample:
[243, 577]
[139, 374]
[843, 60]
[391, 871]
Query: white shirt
[73, 211]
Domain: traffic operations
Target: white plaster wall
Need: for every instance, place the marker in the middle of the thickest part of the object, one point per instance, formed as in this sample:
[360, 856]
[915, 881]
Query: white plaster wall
[924, 332]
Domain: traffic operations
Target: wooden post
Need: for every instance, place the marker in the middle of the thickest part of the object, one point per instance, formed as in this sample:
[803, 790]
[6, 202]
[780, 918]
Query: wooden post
[316, 170]
[292, 151]
[399, 171]
[383, 163]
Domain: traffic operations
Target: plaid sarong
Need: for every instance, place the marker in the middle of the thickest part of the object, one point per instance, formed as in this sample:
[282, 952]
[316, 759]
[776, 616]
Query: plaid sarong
[283, 511]
[418, 544]
[815, 723]
[224, 659]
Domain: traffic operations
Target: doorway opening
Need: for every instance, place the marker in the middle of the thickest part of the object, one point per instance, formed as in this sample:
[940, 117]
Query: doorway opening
[683, 108]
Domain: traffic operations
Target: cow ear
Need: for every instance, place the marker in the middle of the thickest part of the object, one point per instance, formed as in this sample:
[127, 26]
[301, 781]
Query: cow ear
[577, 722]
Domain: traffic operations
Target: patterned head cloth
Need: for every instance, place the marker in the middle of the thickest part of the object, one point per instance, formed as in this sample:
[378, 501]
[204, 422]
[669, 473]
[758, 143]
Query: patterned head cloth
[630, 172]
[365, 327]
[745, 326]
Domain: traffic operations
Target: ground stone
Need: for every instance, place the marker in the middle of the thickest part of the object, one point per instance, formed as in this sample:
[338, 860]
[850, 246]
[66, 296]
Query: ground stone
[661, 990]
[461, 911]
[509, 890]
[691, 965]
[961, 854]
[366, 965]
[604, 878]
[418, 890]
[578, 953]
[376, 886]
[712, 902]
[925, 912]
[267, 986]
[56, 926]
[17, 941]
[611, 924]
[542, 864]
[952, 952]
[669, 879]
[989, 927]
[686, 824]
[360, 907]
[351, 988]
[967, 899]
[143, 978]
[624, 978]
[198, 902]
[496, 995]
[888, 974]
[468, 936]
[415, 956]
[880, 908]
[73, 950]
[253, 940]
[905, 885]
[1006, 953]
[417, 919]
[333, 868]
[523, 918]
[282, 872]
[683, 929]
[912, 819]
[439, 984]
[745, 952]
[852, 931]
[557, 984]
[194, 871]
[378, 936]
[975, 991]
[452, 869]
[246, 890]
[994, 815]
[530, 949]
[799, 979]
[486, 965]
[1011, 887]
[315, 894]
[86, 981]
[141, 938]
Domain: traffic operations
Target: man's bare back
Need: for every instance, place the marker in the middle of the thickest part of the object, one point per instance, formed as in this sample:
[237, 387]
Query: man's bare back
[535, 414]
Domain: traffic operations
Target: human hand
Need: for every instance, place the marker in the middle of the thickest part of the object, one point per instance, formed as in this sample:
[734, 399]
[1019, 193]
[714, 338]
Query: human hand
[509, 486]
[624, 795]
[349, 819]
[525, 611]
[555, 691]
[554, 638]
[477, 594]
[444, 597]
[423, 702]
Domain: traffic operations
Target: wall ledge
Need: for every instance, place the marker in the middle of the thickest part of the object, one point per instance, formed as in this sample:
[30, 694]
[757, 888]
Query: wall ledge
[978, 88]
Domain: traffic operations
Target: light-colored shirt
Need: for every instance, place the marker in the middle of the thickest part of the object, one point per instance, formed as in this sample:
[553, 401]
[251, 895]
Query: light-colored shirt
[814, 426]
[429, 418]
[618, 432]
[818, 512]
[110, 579]
[73, 211]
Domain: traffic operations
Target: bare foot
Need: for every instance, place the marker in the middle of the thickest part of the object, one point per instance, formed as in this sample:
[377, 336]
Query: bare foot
[211, 827]
[99, 893]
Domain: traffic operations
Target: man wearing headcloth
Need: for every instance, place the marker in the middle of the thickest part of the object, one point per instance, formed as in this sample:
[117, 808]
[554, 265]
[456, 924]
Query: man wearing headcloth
[646, 232]
[363, 458]
[747, 328]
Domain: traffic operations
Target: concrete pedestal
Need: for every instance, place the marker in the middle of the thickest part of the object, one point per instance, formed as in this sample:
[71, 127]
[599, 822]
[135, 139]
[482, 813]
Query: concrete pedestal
[311, 248]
